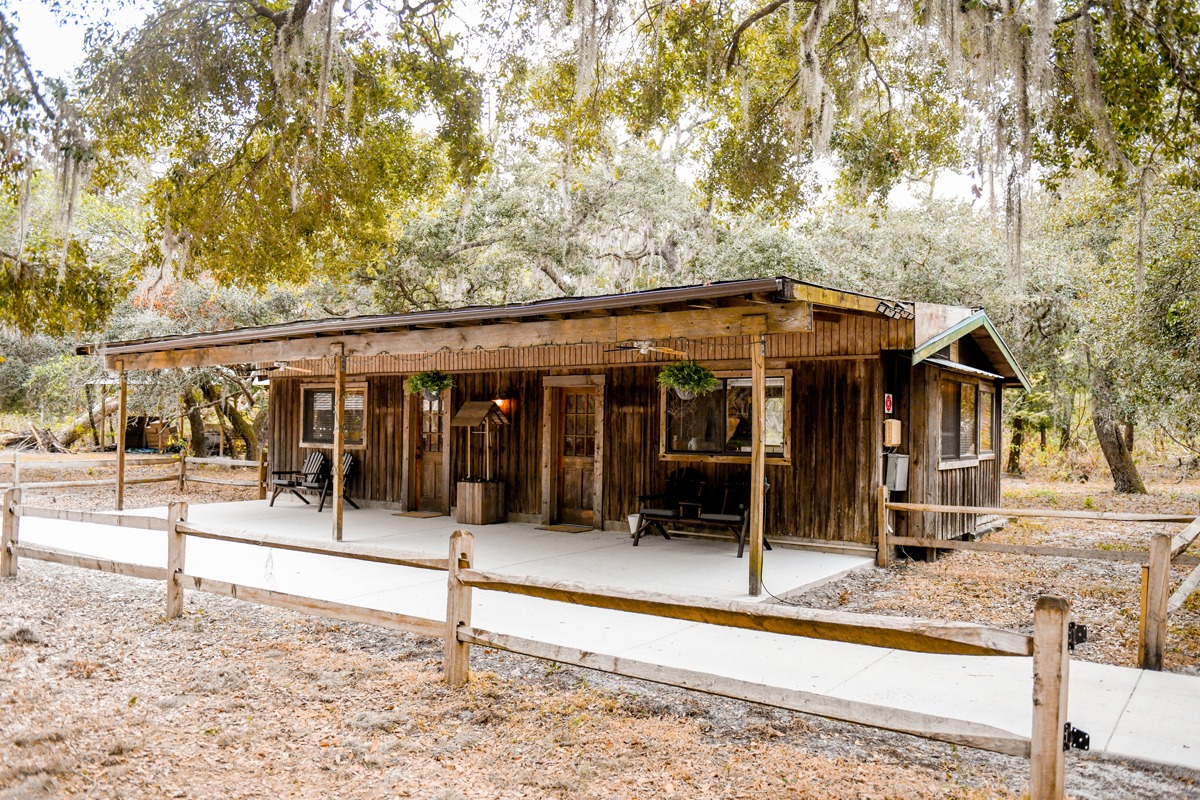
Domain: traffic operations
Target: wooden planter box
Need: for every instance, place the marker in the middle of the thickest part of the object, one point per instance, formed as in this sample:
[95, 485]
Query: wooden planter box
[480, 503]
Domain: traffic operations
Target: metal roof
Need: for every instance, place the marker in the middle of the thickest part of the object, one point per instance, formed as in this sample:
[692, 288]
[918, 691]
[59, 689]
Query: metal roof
[984, 332]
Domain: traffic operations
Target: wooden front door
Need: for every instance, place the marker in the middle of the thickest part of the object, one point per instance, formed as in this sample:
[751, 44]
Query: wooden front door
[579, 409]
[431, 452]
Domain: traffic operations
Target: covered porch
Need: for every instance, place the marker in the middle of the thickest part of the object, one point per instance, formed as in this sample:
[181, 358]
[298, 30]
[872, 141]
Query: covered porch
[688, 567]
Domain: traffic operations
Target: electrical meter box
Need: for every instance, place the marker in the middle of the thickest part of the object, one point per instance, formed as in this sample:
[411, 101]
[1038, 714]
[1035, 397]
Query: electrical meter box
[891, 433]
[896, 472]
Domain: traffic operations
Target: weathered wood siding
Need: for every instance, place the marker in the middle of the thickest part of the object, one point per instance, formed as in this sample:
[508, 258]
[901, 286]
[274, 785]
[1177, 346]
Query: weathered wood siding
[826, 492]
[977, 485]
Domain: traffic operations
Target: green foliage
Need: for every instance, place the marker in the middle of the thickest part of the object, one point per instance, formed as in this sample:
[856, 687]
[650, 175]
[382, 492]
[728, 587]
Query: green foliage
[688, 376]
[430, 380]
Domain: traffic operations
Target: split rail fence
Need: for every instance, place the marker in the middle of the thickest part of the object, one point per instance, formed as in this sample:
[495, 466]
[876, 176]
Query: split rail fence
[184, 471]
[1051, 733]
[1157, 600]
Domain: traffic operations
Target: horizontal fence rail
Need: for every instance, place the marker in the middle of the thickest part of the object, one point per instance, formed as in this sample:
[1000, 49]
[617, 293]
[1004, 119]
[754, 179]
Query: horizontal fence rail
[1048, 645]
[356, 552]
[897, 633]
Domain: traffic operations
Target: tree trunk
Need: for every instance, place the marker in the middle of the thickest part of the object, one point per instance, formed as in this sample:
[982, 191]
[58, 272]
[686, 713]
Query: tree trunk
[74, 431]
[1015, 443]
[241, 426]
[87, 395]
[195, 425]
[1042, 439]
[1110, 432]
[1129, 436]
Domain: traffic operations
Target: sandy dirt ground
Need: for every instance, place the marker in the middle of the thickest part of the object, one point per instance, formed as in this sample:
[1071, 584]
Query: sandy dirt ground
[101, 697]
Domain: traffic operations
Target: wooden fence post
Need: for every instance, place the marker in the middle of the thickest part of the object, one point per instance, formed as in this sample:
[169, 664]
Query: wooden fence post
[176, 513]
[262, 474]
[122, 433]
[457, 664]
[1047, 753]
[1158, 591]
[883, 555]
[9, 530]
[182, 470]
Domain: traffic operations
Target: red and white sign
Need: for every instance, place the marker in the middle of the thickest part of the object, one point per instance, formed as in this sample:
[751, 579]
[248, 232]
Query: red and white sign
[887, 404]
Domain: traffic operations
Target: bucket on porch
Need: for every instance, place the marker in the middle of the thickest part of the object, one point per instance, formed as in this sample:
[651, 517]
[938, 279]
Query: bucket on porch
[633, 521]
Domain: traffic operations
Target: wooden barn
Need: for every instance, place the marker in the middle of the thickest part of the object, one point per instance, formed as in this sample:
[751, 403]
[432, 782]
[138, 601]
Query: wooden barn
[807, 378]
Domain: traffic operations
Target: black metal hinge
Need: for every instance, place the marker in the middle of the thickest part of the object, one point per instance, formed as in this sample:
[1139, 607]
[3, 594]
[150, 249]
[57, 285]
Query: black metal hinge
[1075, 739]
[1076, 634]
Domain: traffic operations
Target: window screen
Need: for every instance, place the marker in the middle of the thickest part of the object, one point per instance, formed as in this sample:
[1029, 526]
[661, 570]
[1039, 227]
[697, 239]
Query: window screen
[987, 406]
[318, 415]
[959, 420]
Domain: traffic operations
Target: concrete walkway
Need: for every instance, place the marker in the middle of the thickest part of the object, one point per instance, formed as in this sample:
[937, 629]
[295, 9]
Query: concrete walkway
[1151, 717]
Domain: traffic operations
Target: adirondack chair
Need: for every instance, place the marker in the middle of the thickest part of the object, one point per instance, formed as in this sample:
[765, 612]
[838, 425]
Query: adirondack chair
[326, 487]
[291, 480]
[684, 487]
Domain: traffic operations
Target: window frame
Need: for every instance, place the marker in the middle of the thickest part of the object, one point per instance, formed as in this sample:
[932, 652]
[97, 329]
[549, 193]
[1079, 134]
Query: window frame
[665, 454]
[987, 390]
[355, 387]
[983, 389]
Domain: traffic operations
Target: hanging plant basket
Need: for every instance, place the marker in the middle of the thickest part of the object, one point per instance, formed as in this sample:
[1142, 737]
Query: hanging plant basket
[430, 383]
[688, 379]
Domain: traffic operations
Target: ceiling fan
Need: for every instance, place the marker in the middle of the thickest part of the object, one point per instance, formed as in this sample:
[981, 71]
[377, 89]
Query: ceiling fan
[281, 365]
[646, 347]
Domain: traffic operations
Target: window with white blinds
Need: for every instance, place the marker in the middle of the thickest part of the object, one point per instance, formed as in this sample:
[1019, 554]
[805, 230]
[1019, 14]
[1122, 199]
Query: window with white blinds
[318, 422]
[960, 408]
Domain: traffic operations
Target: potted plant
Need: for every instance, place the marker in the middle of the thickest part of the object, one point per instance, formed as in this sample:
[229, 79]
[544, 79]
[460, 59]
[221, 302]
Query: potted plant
[430, 383]
[688, 379]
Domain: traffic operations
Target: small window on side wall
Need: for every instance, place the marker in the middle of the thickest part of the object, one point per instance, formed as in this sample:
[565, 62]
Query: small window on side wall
[318, 420]
[987, 407]
[959, 409]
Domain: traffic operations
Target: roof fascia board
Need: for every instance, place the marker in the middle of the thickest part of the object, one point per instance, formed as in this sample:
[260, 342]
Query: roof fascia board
[955, 332]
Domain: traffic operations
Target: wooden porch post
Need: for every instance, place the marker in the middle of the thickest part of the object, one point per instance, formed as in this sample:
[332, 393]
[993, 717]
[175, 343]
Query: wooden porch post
[339, 434]
[122, 424]
[758, 460]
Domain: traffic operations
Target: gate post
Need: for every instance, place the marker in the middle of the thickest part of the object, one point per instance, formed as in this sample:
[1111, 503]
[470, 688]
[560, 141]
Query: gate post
[1158, 590]
[1047, 741]
[457, 664]
[9, 529]
[176, 513]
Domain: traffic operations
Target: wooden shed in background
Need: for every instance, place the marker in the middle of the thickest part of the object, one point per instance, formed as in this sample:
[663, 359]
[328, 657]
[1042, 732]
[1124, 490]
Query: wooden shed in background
[590, 430]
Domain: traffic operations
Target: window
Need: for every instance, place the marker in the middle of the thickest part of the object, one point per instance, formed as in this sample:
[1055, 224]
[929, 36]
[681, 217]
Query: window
[987, 407]
[317, 402]
[720, 423]
[959, 406]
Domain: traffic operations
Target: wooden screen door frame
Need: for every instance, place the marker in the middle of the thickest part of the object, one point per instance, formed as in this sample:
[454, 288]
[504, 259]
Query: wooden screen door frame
[552, 386]
[410, 499]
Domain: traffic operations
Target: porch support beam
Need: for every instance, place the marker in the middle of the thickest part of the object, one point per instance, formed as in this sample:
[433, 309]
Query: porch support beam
[339, 435]
[758, 459]
[122, 425]
[794, 317]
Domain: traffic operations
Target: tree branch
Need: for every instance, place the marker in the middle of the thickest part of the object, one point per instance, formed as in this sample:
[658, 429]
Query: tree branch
[731, 57]
[10, 33]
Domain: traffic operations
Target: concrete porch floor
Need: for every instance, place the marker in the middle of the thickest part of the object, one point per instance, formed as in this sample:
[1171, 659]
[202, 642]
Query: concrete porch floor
[1153, 717]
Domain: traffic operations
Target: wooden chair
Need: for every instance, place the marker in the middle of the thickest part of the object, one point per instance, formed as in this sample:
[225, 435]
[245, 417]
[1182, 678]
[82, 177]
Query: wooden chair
[684, 486]
[291, 480]
[327, 485]
[734, 512]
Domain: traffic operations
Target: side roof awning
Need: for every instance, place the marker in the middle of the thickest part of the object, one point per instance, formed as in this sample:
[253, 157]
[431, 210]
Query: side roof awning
[981, 329]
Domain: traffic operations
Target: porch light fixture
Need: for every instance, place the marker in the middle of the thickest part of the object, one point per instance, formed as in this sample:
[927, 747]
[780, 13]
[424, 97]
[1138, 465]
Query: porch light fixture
[505, 404]
[894, 310]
